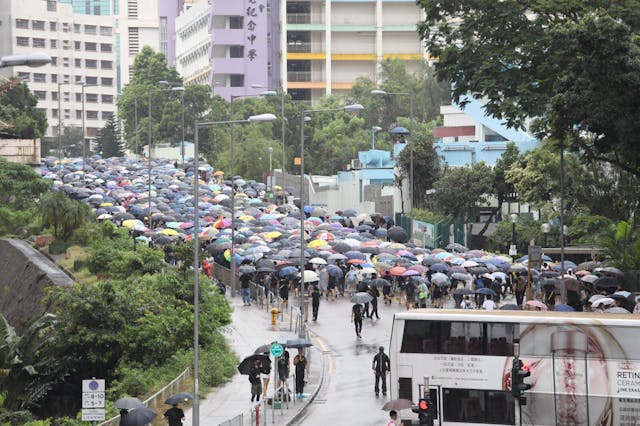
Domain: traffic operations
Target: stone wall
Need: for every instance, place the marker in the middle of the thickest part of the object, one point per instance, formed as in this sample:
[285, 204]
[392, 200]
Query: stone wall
[25, 273]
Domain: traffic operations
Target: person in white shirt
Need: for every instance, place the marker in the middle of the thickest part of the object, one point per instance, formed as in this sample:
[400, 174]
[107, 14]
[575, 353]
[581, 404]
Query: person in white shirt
[489, 304]
[636, 309]
[393, 417]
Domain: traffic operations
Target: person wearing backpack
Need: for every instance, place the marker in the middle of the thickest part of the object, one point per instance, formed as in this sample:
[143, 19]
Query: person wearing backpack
[351, 279]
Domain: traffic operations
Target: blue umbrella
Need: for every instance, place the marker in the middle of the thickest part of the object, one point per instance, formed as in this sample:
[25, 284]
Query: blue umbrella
[400, 131]
[355, 255]
[288, 270]
[439, 267]
[486, 291]
[563, 308]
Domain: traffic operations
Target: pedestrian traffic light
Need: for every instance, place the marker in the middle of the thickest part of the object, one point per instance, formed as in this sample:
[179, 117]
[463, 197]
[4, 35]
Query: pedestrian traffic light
[518, 373]
[424, 411]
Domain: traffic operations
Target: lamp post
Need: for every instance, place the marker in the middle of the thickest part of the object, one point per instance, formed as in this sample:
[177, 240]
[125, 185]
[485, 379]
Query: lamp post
[378, 92]
[303, 116]
[84, 130]
[269, 176]
[513, 251]
[545, 228]
[196, 254]
[374, 130]
[232, 172]
[60, 130]
[182, 139]
[150, 92]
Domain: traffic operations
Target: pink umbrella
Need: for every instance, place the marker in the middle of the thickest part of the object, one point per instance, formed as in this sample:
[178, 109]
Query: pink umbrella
[410, 273]
[537, 304]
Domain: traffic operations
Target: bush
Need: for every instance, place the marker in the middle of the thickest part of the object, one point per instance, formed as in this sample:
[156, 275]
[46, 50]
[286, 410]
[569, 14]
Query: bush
[58, 247]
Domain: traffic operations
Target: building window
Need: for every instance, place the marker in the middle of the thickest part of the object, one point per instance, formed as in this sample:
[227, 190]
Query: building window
[66, 44]
[41, 94]
[37, 25]
[39, 42]
[24, 76]
[106, 65]
[77, 45]
[78, 62]
[54, 113]
[107, 99]
[236, 51]
[53, 26]
[92, 80]
[106, 31]
[92, 115]
[91, 63]
[22, 23]
[132, 9]
[76, 28]
[106, 115]
[107, 81]
[67, 114]
[54, 96]
[90, 29]
[54, 78]
[235, 22]
[22, 41]
[78, 97]
[78, 114]
[54, 60]
[92, 98]
[65, 27]
[52, 5]
[164, 36]
[53, 44]
[105, 47]
[65, 62]
[78, 79]
[236, 80]
[39, 77]
[90, 47]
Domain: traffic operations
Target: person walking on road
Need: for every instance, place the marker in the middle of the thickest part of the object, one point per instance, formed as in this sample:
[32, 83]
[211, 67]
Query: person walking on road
[244, 288]
[254, 379]
[356, 318]
[373, 291]
[174, 415]
[381, 367]
[393, 418]
[301, 364]
[315, 301]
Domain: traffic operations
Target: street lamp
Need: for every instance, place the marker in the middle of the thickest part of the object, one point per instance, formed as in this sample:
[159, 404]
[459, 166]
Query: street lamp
[150, 92]
[269, 176]
[513, 251]
[36, 59]
[84, 130]
[60, 129]
[196, 254]
[303, 119]
[545, 228]
[283, 118]
[378, 92]
[374, 130]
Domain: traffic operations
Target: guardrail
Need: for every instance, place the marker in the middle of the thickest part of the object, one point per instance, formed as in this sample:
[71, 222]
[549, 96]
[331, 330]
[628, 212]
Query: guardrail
[157, 398]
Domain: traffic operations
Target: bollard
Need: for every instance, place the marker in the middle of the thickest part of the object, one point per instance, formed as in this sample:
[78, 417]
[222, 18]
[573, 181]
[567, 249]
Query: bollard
[274, 315]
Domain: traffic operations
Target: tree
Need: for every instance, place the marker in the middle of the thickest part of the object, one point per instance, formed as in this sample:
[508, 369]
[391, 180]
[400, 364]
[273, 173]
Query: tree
[63, 214]
[18, 109]
[623, 246]
[71, 141]
[574, 63]
[20, 185]
[108, 140]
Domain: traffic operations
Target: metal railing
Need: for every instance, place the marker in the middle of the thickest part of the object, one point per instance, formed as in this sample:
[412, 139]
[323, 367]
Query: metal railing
[304, 76]
[159, 397]
[305, 18]
[236, 421]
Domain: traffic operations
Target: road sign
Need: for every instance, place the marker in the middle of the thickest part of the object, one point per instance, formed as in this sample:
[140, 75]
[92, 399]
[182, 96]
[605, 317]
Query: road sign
[535, 253]
[276, 349]
[93, 385]
[92, 414]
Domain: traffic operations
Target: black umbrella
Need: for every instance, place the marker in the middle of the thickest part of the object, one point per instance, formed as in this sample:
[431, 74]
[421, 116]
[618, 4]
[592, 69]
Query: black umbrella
[249, 361]
[128, 403]
[606, 282]
[462, 291]
[299, 343]
[361, 297]
[379, 282]
[397, 234]
[139, 416]
[486, 291]
[262, 349]
[510, 307]
[179, 398]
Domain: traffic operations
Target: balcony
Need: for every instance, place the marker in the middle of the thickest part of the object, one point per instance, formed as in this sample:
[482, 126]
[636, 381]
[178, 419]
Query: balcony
[305, 76]
[304, 47]
[305, 18]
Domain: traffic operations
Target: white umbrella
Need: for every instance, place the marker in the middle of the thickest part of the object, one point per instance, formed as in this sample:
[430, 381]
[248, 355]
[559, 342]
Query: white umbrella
[595, 297]
[310, 276]
[590, 279]
[318, 261]
[469, 264]
[622, 293]
[368, 270]
[602, 301]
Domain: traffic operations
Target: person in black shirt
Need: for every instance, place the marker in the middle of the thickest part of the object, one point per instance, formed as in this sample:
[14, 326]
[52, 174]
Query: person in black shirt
[174, 415]
[245, 279]
[356, 318]
[381, 367]
[315, 301]
[373, 291]
[254, 379]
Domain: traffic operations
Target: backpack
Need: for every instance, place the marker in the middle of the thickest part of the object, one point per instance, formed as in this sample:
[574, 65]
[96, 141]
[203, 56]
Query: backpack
[351, 277]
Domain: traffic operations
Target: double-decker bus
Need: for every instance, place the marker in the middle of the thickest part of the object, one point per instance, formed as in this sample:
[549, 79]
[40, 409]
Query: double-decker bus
[585, 367]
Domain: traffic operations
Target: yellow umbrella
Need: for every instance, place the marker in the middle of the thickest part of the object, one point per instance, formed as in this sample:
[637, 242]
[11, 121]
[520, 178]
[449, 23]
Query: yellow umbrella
[241, 195]
[169, 232]
[130, 223]
[316, 243]
[273, 234]
[106, 204]
[277, 188]
[246, 218]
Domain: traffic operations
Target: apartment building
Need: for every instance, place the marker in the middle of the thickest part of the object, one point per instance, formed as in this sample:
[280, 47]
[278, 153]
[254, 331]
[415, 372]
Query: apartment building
[193, 42]
[83, 51]
[330, 43]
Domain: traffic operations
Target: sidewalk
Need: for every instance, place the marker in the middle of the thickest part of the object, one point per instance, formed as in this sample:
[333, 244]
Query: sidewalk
[251, 328]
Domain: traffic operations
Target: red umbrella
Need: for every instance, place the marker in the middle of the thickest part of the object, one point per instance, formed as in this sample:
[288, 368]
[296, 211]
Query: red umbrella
[397, 271]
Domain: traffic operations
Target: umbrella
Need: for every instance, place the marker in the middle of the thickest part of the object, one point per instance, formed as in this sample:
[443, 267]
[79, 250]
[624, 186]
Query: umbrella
[128, 403]
[179, 398]
[462, 291]
[397, 234]
[537, 304]
[310, 276]
[335, 271]
[617, 310]
[361, 297]
[318, 261]
[246, 269]
[590, 278]
[299, 343]
[486, 291]
[380, 282]
[510, 307]
[398, 404]
[262, 349]
[400, 131]
[139, 416]
[612, 271]
[622, 293]
[602, 301]
[606, 282]
[249, 361]
[563, 308]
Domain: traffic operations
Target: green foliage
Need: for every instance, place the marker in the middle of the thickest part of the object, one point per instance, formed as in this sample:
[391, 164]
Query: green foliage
[71, 141]
[18, 109]
[427, 216]
[20, 185]
[589, 229]
[623, 246]
[19, 223]
[63, 214]
[108, 140]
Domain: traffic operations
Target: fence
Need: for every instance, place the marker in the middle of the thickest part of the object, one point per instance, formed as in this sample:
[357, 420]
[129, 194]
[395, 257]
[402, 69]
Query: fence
[236, 421]
[159, 397]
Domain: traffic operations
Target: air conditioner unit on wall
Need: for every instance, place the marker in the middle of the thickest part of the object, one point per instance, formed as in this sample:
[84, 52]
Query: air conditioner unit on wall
[356, 164]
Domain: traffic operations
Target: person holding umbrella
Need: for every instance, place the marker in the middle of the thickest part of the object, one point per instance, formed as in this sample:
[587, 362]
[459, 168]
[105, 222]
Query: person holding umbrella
[315, 301]
[254, 379]
[301, 364]
[174, 415]
[356, 317]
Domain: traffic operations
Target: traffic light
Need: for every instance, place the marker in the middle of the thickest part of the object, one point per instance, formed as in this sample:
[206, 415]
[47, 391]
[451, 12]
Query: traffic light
[424, 410]
[518, 373]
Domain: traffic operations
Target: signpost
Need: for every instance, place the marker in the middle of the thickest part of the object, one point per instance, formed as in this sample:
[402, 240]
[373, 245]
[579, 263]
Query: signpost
[534, 261]
[93, 400]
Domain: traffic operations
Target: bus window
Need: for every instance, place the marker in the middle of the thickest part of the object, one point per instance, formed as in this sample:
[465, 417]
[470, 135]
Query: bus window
[500, 338]
[477, 406]
[405, 388]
